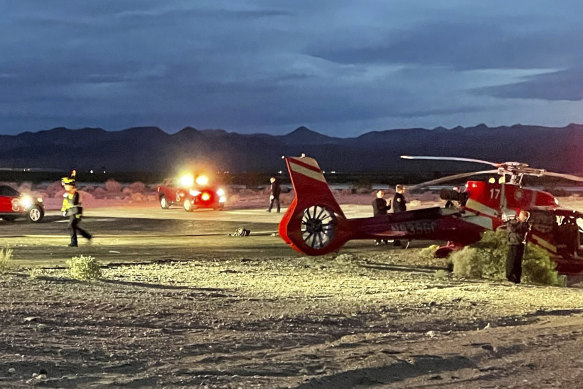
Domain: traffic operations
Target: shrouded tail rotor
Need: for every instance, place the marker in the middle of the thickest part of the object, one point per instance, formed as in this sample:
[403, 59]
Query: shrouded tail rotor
[314, 223]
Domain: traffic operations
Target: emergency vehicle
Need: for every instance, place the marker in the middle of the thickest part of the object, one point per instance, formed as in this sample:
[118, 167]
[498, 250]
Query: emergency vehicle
[13, 205]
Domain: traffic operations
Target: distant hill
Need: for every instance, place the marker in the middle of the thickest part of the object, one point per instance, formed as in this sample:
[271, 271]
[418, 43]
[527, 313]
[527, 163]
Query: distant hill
[144, 149]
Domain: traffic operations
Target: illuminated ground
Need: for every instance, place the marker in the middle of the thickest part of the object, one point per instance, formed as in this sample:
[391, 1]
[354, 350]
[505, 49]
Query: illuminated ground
[226, 312]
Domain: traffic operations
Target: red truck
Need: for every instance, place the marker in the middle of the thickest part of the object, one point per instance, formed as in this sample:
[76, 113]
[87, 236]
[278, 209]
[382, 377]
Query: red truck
[14, 205]
[190, 193]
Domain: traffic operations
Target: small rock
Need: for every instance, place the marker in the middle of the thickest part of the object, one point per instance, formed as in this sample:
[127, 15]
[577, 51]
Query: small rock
[12, 370]
[431, 334]
[488, 347]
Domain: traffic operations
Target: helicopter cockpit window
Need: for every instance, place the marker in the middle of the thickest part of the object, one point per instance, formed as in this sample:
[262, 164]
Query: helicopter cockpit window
[543, 222]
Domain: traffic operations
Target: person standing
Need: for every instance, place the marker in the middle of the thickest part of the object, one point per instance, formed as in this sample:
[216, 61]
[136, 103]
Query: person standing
[399, 202]
[379, 208]
[274, 194]
[517, 234]
[449, 203]
[73, 210]
[399, 205]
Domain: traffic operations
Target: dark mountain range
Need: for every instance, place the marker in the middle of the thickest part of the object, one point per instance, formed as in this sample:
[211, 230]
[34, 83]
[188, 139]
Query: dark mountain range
[151, 149]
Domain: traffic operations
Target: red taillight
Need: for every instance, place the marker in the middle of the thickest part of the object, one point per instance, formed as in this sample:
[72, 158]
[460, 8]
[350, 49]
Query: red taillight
[205, 196]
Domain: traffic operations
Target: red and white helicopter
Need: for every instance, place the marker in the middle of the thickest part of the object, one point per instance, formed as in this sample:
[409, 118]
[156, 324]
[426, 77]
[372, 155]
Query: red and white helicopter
[314, 223]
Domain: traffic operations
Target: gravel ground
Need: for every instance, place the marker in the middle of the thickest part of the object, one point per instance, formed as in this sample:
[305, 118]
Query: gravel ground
[385, 320]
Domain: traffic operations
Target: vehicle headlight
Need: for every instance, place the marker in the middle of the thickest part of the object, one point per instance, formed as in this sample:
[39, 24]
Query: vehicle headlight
[187, 180]
[220, 192]
[26, 201]
[222, 199]
[194, 192]
[205, 196]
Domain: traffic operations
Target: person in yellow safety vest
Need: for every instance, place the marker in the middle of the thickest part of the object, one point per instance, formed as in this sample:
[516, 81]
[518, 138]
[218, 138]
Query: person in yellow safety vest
[73, 210]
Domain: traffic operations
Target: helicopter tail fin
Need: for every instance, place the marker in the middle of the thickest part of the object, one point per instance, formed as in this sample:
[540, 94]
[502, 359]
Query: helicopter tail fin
[312, 223]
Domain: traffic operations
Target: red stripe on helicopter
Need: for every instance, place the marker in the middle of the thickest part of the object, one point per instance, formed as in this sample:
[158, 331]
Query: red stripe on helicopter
[306, 165]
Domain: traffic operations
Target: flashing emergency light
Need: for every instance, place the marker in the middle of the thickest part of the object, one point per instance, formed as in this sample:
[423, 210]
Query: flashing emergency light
[202, 180]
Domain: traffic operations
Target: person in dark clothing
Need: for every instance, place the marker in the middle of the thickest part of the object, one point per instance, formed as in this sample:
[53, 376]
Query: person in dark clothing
[73, 210]
[380, 207]
[399, 205]
[464, 196]
[450, 203]
[274, 194]
[517, 233]
[399, 202]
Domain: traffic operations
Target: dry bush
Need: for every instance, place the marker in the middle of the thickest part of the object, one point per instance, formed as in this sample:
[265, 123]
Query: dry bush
[137, 197]
[487, 259]
[55, 189]
[86, 196]
[99, 193]
[84, 268]
[113, 186]
[538, 268]
[137, 187]
[5, 258]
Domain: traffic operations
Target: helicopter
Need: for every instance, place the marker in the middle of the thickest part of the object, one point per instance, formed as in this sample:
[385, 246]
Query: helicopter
[315, 224]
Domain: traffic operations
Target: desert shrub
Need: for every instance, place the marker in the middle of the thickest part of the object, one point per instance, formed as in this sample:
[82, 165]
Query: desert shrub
[5, 258]
[467, 262]
[55, 189]
[361, 186]
[487, 259]
[99, 193]
[35, 273]
[86, 196]
[113, 186]
[84, 268]
[137, 197]
[538, 268]
[138, 187]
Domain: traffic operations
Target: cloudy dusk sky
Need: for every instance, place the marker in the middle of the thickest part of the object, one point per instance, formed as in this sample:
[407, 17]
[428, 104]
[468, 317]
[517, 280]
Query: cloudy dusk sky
[338, 67]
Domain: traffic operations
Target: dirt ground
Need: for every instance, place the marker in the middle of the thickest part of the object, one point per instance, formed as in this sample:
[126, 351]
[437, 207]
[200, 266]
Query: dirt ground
[182, 305]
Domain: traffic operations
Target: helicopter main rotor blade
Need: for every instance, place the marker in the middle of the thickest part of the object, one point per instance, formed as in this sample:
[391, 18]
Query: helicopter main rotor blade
[450, 159]
[450, 178]
[565, 176]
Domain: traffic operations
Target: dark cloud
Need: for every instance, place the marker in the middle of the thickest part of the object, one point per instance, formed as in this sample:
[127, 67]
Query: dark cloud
[466, 45]
[561, 85]
[339, 66]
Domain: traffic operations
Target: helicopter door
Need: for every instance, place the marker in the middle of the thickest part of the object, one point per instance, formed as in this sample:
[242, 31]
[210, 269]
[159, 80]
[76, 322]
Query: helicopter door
[568, 234]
